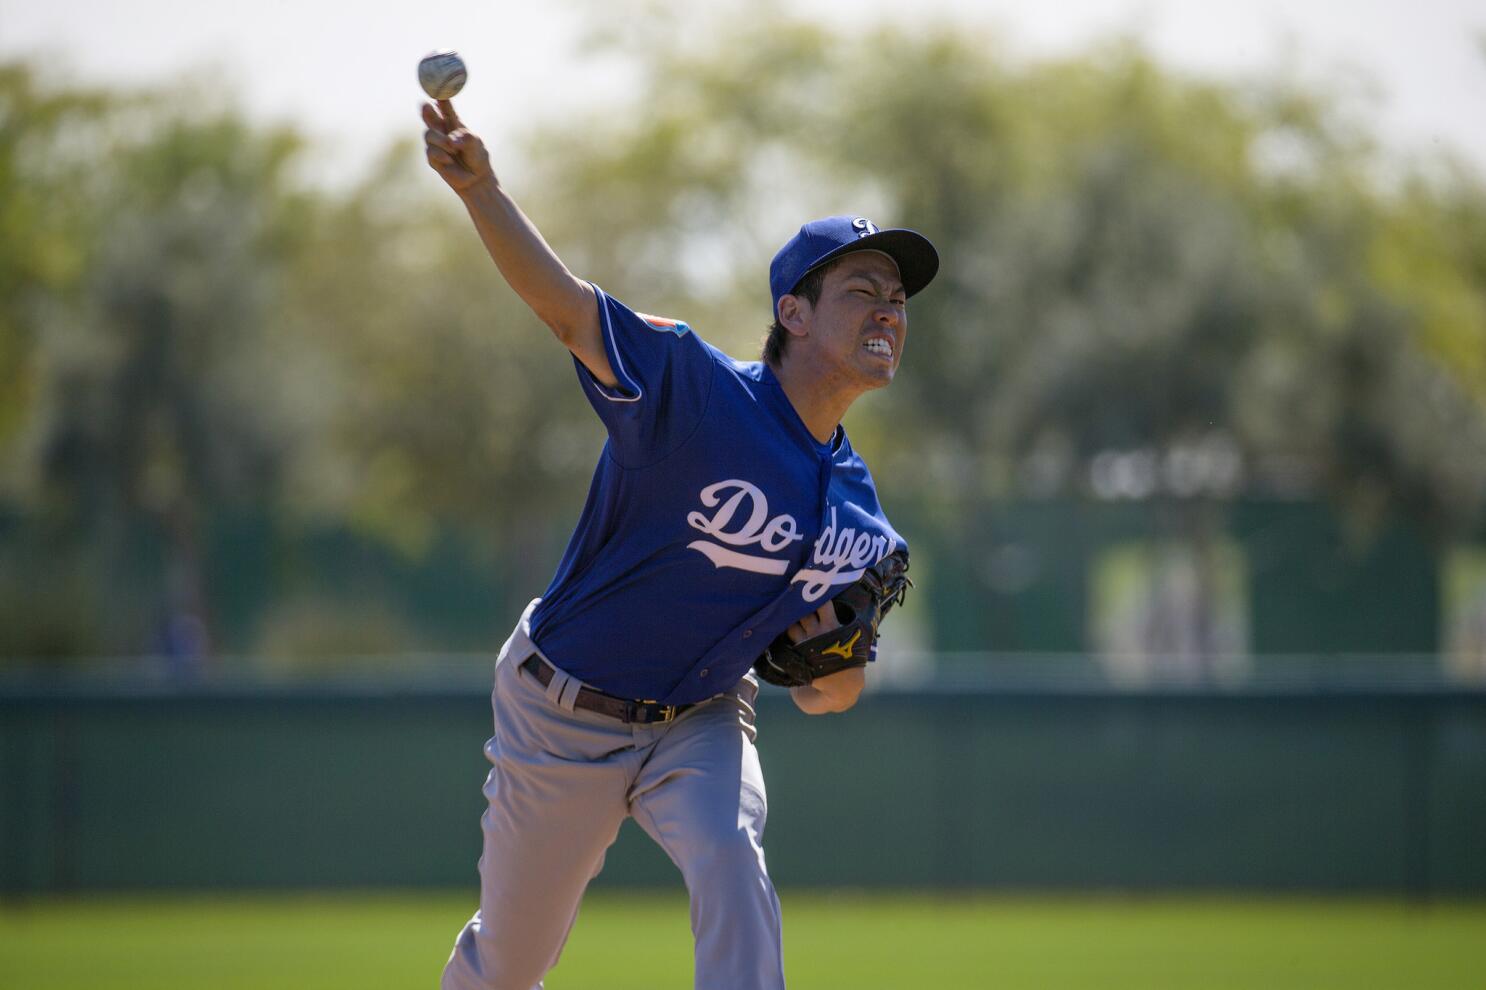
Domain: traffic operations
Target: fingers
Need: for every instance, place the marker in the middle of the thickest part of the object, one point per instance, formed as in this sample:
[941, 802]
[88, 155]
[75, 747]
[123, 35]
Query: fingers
[440, 140]
[821, 620]
[434, 119]
[452, 151]
[446, 107]
[441, 118]
[441, 149]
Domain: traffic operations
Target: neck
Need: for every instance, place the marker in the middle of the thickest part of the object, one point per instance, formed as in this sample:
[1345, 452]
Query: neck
[819, 406]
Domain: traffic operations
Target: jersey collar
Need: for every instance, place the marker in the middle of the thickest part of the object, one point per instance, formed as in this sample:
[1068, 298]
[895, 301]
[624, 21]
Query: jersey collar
[786, 411]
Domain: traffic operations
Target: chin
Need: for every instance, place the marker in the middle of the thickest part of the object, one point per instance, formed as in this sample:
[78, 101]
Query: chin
[877, 374]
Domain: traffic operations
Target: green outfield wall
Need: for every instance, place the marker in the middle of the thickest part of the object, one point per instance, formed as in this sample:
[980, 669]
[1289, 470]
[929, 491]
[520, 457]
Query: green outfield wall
[1030, 789]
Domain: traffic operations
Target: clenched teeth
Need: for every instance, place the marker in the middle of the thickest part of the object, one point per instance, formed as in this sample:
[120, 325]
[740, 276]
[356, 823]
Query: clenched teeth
[878, 345]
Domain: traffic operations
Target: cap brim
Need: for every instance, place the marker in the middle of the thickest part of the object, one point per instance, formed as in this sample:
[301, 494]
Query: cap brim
[917, 260]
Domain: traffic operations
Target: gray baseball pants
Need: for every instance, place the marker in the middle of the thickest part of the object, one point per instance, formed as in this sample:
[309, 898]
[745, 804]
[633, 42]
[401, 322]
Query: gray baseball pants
[562, 781]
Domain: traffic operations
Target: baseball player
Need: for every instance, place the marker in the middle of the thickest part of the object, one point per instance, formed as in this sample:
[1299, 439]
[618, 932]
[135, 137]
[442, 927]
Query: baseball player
[727, 518]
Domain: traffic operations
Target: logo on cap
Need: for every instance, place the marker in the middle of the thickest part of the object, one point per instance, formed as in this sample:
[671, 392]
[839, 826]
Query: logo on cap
[863, 227]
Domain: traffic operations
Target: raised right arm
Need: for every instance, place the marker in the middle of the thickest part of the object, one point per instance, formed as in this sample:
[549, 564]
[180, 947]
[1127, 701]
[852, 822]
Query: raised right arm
[533, 270]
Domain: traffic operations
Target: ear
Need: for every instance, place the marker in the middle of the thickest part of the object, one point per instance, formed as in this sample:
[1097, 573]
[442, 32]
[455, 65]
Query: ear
[794, 315]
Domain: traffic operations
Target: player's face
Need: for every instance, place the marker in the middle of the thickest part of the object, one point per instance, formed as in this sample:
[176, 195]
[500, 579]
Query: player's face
[859, 323]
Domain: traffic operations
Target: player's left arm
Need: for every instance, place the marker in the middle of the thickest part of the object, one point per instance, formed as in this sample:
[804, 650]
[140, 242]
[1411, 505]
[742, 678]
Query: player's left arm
[835, 692]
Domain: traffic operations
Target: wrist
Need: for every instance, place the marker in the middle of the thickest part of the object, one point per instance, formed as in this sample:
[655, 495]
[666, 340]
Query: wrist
[807, 699]
[484, 188]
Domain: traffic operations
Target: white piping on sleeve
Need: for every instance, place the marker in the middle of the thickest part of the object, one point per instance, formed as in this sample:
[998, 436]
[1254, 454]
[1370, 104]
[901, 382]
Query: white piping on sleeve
[620, 373]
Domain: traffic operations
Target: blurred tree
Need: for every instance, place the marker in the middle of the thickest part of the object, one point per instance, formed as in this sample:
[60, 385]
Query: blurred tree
[437, 382]
[43, 234]
[154, 394]
[224, 340]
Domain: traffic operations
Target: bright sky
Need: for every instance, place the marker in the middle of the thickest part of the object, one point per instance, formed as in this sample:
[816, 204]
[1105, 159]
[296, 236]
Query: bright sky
[344, 70]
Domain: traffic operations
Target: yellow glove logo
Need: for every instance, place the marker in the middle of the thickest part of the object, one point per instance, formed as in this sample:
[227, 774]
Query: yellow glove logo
[843, 650]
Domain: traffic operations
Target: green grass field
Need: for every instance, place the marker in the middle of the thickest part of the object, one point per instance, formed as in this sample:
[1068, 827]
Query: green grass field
[628, 942]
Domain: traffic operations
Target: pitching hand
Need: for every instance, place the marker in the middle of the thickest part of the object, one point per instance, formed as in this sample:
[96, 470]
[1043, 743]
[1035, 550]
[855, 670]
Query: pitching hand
[457, 155]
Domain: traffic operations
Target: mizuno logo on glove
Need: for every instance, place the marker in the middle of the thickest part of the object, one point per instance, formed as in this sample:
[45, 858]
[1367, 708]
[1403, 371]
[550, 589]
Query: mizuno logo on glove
[859, 607]
[843, 650]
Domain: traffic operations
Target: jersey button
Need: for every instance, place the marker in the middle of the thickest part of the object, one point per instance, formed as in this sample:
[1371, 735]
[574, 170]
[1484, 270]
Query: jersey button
[747, 633]
[704, 672]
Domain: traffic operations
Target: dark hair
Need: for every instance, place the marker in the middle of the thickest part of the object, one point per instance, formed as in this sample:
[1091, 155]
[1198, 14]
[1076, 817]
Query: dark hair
[807, 288]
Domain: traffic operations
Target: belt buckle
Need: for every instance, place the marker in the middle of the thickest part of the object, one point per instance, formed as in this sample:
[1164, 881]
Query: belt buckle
[665, 713]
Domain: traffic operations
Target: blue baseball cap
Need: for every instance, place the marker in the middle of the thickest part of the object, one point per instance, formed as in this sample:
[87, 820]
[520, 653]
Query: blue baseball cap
[822, 241]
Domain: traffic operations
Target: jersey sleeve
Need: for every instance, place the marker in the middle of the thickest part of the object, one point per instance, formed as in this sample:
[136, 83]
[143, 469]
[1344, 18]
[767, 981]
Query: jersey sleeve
[664, 378]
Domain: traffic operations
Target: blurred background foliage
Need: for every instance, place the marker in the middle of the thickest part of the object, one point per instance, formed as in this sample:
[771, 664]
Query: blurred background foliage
[245, 415]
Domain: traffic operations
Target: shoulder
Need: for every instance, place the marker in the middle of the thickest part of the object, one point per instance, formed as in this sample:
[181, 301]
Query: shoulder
[749, 373]
[749, 376]
[616, 312]
[663, 324]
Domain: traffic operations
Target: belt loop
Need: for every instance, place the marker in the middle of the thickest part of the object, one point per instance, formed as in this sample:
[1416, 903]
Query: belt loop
[555, 686]
[568, 697]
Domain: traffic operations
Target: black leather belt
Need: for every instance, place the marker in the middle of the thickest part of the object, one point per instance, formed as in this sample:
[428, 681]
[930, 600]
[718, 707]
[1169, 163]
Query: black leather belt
[624, 709]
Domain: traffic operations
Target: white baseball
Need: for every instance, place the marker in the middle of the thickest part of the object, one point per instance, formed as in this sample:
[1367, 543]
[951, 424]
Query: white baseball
[441, 74]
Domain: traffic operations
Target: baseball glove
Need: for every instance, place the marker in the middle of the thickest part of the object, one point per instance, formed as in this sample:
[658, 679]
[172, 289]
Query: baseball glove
[859, 608]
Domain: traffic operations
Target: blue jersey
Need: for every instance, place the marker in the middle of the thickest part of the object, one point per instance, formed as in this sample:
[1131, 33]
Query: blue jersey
[714, 521]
